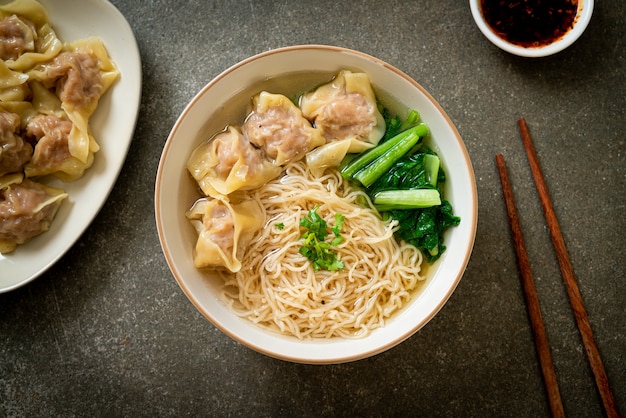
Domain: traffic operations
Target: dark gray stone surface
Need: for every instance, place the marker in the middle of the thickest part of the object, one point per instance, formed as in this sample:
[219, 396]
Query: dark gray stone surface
[108, 332]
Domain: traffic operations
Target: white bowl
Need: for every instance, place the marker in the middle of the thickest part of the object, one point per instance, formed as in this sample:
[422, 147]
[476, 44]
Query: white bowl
[583, 16]
[176, 191]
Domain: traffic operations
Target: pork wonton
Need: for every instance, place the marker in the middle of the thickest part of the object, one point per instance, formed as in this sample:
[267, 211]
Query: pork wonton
[276, 125]
[52, 154]
[27, 209]
[345, 111]
[229, 162]
[26, 37]
[224, 230]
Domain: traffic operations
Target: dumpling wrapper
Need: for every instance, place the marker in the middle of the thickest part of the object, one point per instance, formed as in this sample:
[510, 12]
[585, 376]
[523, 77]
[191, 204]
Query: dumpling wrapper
[276, 125]
[328, 155]
[13, 84]
[45, 101]
[224, 230]
[229, 162]
[344, 110]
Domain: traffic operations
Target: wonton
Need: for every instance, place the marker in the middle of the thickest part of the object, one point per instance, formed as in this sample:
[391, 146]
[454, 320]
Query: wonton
[346, 112]
[224, 229]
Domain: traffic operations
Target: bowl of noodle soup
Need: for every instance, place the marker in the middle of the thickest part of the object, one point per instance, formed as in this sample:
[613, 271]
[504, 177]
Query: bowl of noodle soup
[306, 315]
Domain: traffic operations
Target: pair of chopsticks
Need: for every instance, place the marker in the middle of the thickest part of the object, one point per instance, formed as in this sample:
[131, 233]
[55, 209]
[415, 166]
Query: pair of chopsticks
[532, 301]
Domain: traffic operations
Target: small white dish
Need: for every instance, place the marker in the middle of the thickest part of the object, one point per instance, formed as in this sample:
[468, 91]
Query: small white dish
[583, 16]
[113, 125]
[206, 114]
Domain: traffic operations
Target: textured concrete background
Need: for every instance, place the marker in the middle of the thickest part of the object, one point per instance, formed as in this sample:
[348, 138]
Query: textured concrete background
[108, 332]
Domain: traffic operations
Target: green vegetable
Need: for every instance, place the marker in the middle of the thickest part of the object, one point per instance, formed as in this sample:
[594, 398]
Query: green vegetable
[420, 170]
[380, 165]
[403, 179]
[395, 125]
[337, 230]
[406, 199]
[280, 225]
[424, 227]
[314, 245]
[415, 175]
[359, 163]
[431, 168]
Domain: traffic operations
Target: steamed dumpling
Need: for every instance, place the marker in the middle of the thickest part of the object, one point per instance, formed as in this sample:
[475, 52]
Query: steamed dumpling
[229, 162]
[346, 108]
[79, 76]
[52, 154]
[27, 35]
[224, 230]
[27, 209]
[276, 125]
[26, 39]
[345, 111]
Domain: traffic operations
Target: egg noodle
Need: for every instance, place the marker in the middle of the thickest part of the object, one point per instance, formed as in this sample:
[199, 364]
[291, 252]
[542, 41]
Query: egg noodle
[278, 288]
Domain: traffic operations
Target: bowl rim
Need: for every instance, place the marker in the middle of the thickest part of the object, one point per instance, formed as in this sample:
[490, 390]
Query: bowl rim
[583, 17]
[338, 358]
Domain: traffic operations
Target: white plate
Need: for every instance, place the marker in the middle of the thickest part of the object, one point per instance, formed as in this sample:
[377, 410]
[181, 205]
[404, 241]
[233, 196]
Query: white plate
[113, 125]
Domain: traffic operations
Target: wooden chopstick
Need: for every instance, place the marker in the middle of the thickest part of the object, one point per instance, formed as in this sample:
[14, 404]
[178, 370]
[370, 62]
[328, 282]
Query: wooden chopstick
[532, 301]
[567, 272]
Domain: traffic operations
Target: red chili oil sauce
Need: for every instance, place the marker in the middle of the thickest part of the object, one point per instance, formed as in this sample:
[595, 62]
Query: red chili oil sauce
[530, 23]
